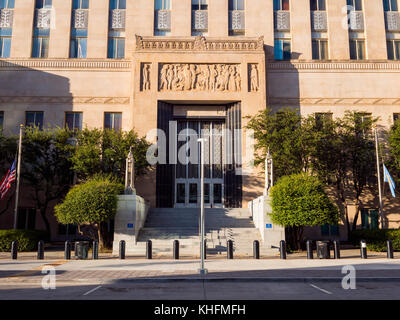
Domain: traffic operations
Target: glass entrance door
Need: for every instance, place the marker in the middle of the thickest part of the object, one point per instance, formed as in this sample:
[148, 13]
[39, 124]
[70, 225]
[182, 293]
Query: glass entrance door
[187, 173]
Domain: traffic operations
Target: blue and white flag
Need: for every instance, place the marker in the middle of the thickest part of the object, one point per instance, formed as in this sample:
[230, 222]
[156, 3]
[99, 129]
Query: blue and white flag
[389, 179]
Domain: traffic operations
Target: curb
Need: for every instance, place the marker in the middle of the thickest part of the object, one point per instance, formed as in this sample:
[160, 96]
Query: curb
[242, 280]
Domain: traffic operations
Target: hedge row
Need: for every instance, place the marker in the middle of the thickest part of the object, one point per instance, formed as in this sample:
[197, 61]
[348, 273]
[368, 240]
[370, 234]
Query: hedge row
[376, 239]
[27, 239]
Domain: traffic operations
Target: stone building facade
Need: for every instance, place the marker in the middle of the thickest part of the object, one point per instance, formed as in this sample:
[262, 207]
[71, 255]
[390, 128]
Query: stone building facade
[139, 64]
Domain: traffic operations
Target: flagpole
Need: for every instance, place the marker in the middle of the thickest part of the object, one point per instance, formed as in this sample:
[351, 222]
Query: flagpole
[379, 176]
[21, 128]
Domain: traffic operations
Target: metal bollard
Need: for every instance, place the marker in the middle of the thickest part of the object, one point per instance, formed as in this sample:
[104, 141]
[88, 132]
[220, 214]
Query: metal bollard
[336, 249]
[40, 252]
[75, 248]
[95, 252]
[205, 249]
[14, 250]
[363, 249]
[176, 249]
[230, 249]
[256, 249]
[67, 250]
[149, 250]
[310, 249]
[390, 249]
[122, 249]
[282, 249]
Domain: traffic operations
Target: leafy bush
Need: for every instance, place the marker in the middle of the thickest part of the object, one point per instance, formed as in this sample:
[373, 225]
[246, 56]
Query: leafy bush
[299, 200]
[27, 239]
[376, 239]
[90, 203]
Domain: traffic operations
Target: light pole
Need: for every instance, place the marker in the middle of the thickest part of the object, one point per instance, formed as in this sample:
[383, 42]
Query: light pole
[378, 169]
[21, 129]
[202, 270]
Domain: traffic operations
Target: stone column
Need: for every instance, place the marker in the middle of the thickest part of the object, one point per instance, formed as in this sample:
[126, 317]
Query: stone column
[300, 27]
[375, 32]
[260, 22]
[181, 19]
[98, 29]
[338, 36]
[21, 42]
[218, 18]
[60, 35]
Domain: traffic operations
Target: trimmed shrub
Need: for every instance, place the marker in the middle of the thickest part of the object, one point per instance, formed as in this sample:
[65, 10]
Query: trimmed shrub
[376, 239]
[27, 239]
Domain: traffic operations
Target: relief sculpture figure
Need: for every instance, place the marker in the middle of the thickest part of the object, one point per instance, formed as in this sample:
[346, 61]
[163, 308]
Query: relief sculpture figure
[163, 78]
[254, 83]
[146, 77]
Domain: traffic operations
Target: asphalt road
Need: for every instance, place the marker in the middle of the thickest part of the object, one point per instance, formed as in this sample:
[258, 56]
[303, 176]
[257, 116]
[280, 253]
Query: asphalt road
[199, 290]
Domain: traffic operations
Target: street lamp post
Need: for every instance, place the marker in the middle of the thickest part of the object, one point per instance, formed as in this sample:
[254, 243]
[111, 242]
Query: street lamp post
[202, 270]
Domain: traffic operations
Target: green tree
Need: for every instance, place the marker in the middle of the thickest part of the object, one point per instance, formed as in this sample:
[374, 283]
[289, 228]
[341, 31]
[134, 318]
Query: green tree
[299, 200]
[46, 168]
[92, 203]
[105, 151]
[394, 148]
[290, 142]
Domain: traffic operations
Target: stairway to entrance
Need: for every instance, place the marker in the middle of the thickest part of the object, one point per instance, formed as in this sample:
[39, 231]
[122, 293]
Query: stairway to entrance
[164, 225]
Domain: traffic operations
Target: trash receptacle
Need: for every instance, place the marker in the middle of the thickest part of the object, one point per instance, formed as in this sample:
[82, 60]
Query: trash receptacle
[323, 250]
[82, 250]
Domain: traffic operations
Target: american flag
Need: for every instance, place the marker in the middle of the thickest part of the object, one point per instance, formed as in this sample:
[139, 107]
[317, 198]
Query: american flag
[6, 183]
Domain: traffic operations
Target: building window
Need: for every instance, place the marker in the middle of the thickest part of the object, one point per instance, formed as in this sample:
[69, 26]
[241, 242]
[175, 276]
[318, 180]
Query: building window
[116, 48]
[1, 121]
[357, 49]
[318, 5]
[369, 219]
[79, 29]
[282, 50]
[6, 30]
[319, 49]
[26, 218]
[67, 229]
[199, 17]
[40, 4]
[390, 5]
[162, 16]
[329, 230]
[116, 34]
[34, 119]
[41, 30]
[396, 116]
[80, 4]
[117, 4]
[236, 18]
[113, 121]
[356, 4]
[73, 120]
[281, 5]
[393, 49]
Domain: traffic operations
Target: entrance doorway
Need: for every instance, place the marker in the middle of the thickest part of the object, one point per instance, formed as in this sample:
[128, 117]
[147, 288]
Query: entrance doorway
[187, 172]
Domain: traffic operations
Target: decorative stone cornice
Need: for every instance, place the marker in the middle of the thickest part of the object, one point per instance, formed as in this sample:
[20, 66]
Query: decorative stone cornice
[60, 64]
[63, 100]
[276, 101]
[198, 44]
[334, 65]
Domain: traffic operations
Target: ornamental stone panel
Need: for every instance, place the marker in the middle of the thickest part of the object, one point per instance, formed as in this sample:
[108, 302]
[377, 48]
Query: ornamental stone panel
[282, 20]
[200, 77]
[319, 20]
[392, 20]
[237, 20]
[163, 19]
[43, 18]
[80, 18]
[118, 18]
[6, 18]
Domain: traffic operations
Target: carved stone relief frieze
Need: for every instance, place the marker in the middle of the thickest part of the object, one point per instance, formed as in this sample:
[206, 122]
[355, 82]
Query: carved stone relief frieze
[200, 77]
